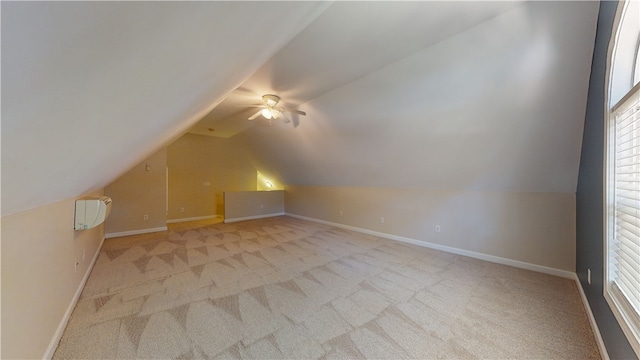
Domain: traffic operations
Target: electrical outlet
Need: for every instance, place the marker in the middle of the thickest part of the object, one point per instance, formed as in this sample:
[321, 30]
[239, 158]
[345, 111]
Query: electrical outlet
[437, 228]
[146, 217]
[589, 276]
[181, 210]
[341, 213]
[381, 220]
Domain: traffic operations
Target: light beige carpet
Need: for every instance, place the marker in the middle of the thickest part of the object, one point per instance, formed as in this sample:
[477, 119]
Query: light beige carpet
[287, 288]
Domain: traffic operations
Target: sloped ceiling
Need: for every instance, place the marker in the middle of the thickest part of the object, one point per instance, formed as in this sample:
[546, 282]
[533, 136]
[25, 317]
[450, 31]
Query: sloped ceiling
[91, 88]
[477, 95]
[499, 106]
[348, 41]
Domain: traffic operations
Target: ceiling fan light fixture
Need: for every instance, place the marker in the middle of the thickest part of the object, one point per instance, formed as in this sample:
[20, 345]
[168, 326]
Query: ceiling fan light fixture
[272, 111]
[266, 113]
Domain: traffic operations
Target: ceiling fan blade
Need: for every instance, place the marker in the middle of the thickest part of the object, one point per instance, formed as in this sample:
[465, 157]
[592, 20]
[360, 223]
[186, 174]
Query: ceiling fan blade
[255, 115]
[299, 112]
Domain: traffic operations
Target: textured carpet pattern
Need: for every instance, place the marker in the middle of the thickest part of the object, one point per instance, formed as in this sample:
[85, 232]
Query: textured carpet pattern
[287, 288]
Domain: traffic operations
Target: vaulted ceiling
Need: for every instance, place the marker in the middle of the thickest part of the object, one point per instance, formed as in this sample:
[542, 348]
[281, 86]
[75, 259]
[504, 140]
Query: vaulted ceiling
[463, 95]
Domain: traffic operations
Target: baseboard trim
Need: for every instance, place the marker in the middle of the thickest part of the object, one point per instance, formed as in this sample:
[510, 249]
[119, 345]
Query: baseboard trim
[457, 251]
[53, 345]
[135, 232]
[252, 217]
[592, 320]
[196, 218]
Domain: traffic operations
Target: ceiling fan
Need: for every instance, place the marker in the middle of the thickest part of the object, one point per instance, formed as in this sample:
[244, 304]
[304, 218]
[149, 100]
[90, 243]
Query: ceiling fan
[271, 110]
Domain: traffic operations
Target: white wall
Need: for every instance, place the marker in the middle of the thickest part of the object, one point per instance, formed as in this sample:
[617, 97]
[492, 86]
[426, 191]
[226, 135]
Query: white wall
[534, 228]
[39, 279]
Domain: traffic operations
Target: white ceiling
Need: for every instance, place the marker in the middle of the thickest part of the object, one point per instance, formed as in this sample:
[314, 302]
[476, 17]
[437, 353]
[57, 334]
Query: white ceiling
[498, 107]
[89, 89]
[468, 95]
[348, 41]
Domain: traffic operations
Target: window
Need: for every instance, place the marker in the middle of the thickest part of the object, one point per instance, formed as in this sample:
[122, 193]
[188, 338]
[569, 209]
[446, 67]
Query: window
[624, 223]
[622, 245]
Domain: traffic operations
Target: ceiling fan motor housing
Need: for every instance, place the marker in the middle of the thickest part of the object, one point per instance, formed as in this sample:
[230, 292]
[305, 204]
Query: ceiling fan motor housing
[270, 100]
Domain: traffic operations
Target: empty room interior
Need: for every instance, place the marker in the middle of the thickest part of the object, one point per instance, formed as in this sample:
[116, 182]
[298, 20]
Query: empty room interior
[318, 179]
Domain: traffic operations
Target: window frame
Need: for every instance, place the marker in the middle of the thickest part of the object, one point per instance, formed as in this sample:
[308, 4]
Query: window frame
[627, 318]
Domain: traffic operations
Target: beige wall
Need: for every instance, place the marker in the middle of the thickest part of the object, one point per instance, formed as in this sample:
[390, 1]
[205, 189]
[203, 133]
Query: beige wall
[197, 160]
[39, 279]
[535, 228]
[244, 205]
[137, 193]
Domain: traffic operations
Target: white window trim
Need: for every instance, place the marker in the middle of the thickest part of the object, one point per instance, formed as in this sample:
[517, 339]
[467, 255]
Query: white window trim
[619, 308]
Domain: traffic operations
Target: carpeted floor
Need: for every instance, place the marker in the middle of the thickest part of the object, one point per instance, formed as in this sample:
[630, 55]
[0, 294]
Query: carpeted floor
[287, 288]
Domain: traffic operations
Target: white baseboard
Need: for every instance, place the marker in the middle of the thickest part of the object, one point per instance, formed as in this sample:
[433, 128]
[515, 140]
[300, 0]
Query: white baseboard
[592, 320]
[252, 217]
[135, 232]
[173, 221]
[53, 345]
[457, 251]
